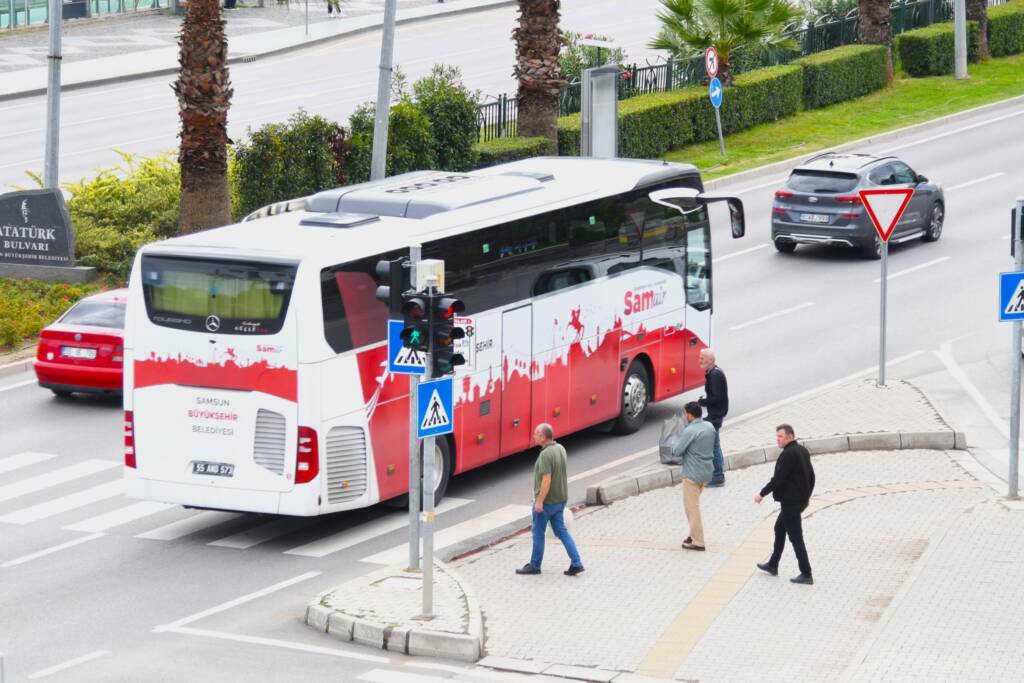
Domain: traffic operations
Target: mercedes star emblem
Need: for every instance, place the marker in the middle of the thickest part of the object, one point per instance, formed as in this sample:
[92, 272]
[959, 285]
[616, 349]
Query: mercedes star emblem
[212, 323]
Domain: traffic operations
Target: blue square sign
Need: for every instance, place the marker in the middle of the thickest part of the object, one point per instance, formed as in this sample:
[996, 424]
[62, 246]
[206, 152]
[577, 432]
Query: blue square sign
[434, 404]
[1011, 296]
[401, 360]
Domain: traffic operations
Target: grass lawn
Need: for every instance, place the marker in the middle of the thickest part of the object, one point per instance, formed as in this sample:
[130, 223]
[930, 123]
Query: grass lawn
[908, 101]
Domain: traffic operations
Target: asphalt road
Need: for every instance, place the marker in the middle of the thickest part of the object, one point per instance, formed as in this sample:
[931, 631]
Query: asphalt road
[141, 117]
[784, 324]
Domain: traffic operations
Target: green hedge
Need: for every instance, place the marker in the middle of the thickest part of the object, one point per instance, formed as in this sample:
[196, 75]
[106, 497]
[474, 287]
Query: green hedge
[842, 74]
[1006, 29]
[755, 97]
[27, 306]
[929, 51]
[501, 150]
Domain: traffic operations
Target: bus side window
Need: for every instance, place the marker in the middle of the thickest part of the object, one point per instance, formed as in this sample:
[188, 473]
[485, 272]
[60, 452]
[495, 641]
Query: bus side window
[560, 279]
[698, 268]
[353, 316]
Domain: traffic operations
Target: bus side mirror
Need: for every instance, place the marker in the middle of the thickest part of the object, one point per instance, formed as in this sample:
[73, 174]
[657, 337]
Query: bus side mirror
[687, 200]
[739, 224]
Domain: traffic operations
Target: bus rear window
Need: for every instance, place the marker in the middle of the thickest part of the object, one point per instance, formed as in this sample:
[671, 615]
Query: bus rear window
[226, 297]
[353, 316]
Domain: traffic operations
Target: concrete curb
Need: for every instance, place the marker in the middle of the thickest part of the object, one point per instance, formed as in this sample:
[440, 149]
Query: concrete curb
[467, 647]
[424, 14]
[16, 367]
[658, 476]
[787, 165]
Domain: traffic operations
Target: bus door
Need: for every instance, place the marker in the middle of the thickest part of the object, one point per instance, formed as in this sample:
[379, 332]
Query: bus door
[516, 360]
[698, 301]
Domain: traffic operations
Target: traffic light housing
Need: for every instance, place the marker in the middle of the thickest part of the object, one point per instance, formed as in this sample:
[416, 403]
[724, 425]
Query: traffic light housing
[415, 311]
[394, 274]
[444, 332]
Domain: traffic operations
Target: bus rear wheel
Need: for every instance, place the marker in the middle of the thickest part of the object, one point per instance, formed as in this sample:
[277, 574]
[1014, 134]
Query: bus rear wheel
[442, 475]
[636, 399]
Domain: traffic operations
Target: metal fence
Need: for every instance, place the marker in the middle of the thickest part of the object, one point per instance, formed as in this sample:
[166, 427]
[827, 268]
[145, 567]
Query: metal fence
[19, 13]
[497, 118]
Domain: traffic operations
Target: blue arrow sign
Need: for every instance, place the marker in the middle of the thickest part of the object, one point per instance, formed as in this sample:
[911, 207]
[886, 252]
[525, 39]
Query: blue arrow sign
[715, 93]
[434, 407]
[402, 361]
[1011, 296]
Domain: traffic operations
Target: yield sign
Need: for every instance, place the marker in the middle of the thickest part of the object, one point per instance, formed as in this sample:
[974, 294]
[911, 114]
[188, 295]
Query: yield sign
[885, 208]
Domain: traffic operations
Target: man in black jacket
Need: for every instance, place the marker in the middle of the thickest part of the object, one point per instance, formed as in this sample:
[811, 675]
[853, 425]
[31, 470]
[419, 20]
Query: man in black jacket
[716, 401]
[791, 485]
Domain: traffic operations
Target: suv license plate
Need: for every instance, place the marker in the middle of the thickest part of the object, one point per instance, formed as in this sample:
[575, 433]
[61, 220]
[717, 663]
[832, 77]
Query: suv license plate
[216, 469]
[814, 217]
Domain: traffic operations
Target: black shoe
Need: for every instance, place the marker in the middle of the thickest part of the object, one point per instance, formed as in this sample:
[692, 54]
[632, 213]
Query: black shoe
[803, 578]
[771, 569]
[527, 569]
[573, 571]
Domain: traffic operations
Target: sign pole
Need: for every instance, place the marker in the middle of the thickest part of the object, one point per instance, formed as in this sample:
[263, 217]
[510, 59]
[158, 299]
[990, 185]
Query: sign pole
[881, 326]
[427, 519]
[721, 139]
[414, 446]
[53, 60]
[1018, 264]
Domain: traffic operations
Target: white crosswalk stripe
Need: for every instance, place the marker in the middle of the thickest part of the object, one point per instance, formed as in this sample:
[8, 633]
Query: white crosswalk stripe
[263, 532]
[19, 460]
[54, 478]
[189, 525]
[64, 503]
[109, 520]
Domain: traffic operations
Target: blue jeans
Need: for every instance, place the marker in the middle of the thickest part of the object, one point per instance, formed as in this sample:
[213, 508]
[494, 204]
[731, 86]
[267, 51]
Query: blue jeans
[719, 460]
[553, 513]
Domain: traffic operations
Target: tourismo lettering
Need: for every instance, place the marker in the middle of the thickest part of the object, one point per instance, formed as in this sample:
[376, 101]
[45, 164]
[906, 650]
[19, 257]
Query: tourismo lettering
[643, 301]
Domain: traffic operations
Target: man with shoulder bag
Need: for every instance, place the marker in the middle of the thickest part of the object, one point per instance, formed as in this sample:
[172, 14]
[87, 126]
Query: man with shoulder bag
[694, 448]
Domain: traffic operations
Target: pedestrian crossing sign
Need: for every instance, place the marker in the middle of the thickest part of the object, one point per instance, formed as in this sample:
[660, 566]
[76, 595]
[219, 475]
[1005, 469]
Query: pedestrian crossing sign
[1011, 296]
[402, 360]
[434, 406]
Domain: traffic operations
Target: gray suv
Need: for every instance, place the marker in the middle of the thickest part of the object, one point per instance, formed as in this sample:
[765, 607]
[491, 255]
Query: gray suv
[820, 204]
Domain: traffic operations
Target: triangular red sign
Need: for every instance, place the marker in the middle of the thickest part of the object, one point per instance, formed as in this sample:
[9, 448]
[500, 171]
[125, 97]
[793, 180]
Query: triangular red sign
[885, 208]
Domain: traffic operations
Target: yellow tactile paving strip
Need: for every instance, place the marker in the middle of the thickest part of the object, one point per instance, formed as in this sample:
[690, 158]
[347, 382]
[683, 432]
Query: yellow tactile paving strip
[690, 625]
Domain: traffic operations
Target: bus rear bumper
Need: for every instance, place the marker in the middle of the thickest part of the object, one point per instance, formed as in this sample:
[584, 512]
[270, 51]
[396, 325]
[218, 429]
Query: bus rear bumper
[297, 502]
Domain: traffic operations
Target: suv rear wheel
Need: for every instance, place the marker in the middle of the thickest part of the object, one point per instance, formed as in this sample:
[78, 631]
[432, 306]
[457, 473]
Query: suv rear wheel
[785, 247]
[872, 250]
[934, 229]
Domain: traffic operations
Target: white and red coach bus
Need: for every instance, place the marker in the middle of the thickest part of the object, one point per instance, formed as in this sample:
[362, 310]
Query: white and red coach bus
[255, 354]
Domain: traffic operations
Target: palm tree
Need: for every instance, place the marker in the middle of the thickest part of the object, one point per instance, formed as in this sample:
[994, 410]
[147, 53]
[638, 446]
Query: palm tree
[204, 95]
[538, 40]
[977, 10]
[874, 27]
[691, 26]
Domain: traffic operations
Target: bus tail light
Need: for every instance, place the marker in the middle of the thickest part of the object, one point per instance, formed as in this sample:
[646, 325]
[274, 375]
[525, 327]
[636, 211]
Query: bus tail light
[307, 461]
[129, 439]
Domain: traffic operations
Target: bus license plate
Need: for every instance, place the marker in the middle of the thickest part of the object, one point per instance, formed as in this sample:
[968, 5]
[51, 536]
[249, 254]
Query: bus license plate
[814, 217]
[216, 469]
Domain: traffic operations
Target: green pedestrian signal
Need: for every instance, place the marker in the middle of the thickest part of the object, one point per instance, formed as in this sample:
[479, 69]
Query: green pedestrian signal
[416, 322]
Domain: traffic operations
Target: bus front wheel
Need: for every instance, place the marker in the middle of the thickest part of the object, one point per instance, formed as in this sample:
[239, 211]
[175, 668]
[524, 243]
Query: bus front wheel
[636, 399]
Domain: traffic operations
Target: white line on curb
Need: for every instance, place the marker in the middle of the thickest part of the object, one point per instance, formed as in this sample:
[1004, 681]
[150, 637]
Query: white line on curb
[945, 354]
[738, 253]
[955, 131]
[68, 664]
[273, 642]
[976, 181]
[18, 385]
[613, 463]
[770, 316]
[50, 551]
[236, 602]
[922, 266]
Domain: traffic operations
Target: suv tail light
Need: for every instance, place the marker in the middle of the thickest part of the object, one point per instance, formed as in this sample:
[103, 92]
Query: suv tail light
[848, 199]
[307, 461]
[783, 194]
[129, 439]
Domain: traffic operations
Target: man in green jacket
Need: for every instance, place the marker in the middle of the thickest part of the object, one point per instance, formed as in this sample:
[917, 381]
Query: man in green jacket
[696, 448]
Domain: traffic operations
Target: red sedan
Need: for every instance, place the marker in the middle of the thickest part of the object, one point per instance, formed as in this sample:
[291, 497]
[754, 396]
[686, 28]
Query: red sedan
[84, 349]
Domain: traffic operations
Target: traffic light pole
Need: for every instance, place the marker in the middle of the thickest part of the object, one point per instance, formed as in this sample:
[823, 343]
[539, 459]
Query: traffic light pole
[415, 478]
[427, 519]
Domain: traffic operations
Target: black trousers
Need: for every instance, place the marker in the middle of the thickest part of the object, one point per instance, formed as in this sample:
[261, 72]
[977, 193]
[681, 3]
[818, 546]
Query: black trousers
[789, 522]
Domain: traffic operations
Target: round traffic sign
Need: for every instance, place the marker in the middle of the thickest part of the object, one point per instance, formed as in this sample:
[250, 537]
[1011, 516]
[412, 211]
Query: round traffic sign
[711, 61]
[715, 92]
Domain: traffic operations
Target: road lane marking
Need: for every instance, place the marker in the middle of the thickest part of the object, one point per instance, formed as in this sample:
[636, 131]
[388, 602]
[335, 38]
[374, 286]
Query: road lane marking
[19, 460]
[761, 186]
[365, 532]
[63, 504]
[613, 463]
[50, 551]
[955, 131]
[273, 642]
[738, 253]
[445, 538]
[224, 606]
[927, 264]
[945, 354]
[55, 478]
[189, 525]
[771, 316]
[109, 520]
[976, 181]
[261, 533]
[392, 676]
[68, 664]
[18, 385]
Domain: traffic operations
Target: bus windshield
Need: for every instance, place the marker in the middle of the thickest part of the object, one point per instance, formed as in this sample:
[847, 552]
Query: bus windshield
[226, 297]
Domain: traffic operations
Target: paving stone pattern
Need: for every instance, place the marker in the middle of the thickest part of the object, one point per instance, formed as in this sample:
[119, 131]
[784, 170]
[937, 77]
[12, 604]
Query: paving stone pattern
[857, 407]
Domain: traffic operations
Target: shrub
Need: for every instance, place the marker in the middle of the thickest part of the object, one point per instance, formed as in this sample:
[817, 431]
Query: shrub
[452, 110]
[929, 51]
[501, 150]
[842, 74]
[1006, 29]
[410, 141]
[286, 160]
[27, 306]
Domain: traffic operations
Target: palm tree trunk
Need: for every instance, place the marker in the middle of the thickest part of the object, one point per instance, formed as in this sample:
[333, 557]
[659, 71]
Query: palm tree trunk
[977, 10]
[204, 96]
[875, 28]
[538, 40]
